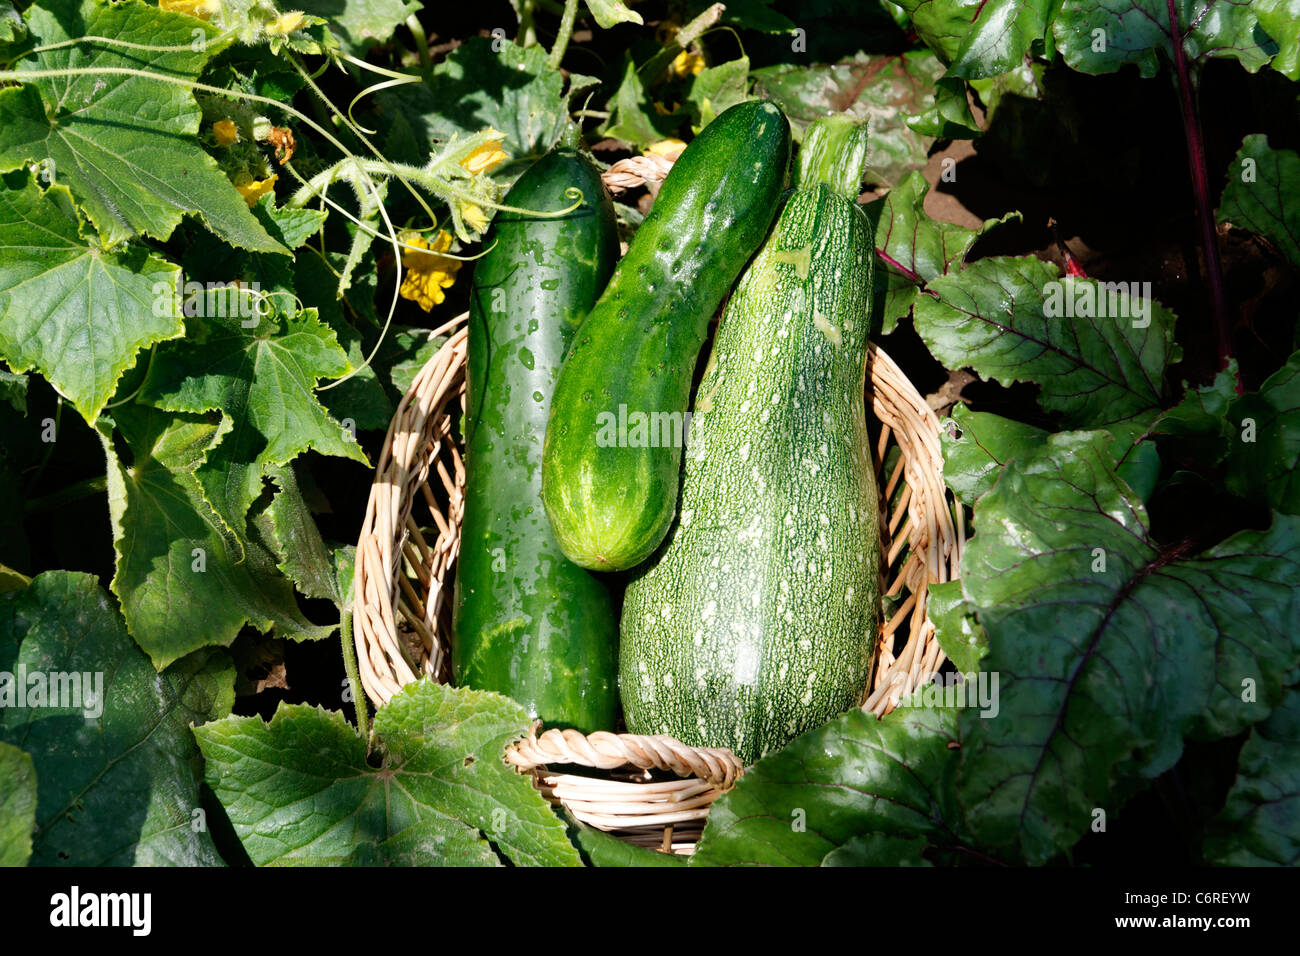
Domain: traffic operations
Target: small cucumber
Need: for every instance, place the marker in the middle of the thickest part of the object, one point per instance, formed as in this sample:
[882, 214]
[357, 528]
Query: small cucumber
[614, 443]
[757, 619]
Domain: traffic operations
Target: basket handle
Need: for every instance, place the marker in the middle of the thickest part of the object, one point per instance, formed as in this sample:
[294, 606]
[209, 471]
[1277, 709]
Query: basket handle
[602, 750]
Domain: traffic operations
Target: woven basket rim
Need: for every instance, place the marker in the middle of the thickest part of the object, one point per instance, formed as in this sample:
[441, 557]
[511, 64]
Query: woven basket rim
[420, 432]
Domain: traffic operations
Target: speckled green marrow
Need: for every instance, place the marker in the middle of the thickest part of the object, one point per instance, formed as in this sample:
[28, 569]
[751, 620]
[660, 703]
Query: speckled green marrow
[613, 446]
[527, 622]
[757, 619]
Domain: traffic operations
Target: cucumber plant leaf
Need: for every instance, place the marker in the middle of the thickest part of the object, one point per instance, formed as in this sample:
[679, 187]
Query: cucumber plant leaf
[303, 555]
[1100, 36]
[913, 248]
[76, 313]
[1017, 319]
[716, 89]
[1109, 648]
[299, 790]
[185, 578]
[13, 388]
[609, 13]
[1265, 441]
[125, 145]
[17, 805]
[475, 87]
[118, 770]
[1257, 824]
[632, 115]
[360, 24]
[1261, 182]
[854, 775]
[260, 372]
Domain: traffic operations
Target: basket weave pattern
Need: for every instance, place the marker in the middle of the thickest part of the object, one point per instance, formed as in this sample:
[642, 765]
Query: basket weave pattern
[650, 790]
[404, 579]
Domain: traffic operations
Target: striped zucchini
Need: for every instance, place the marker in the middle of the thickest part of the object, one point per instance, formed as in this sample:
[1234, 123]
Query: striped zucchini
[757, 619]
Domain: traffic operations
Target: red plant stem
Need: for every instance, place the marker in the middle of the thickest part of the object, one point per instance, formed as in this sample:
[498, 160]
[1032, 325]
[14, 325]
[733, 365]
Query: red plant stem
[1201, 189]
[898, 266]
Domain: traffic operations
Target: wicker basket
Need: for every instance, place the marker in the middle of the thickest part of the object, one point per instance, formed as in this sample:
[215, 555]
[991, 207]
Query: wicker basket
[650, 790]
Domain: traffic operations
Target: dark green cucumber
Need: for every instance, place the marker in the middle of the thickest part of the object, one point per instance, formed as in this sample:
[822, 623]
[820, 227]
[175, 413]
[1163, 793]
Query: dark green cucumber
[757, 619]
[528, 623]
[614, 442]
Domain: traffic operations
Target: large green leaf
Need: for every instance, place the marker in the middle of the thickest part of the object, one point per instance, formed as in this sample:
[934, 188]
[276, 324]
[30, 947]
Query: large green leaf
[604, 849]
[125, 145]
[975, 447]
[883, 90]
[1100, 36]
[263, 381]
[993, 316]
[1260, 195]
[609, 13]
[1198, 425]
[1264, 456]
[475, 87]
[632, 114]
[879, 849]
[977, 444]
[361, 23]
[13, 388]
[17, 805]
[1108, 648]
[913, 248]
[76, 313]
[300, 791]
[956, 627]
[303, 555]
[1257, 826]
[119, 774]
[1281, 20]
[1000, 36]
[979, 38]
[185, 578]
[851, 776]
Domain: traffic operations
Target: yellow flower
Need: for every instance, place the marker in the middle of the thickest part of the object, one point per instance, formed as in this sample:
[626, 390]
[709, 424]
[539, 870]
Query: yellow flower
[285, 23]
[427, 273]
[667, 148]
[255, 189]
[487, 156]
[687, 64]
[226, 132]
[202, 9]
[473, 216]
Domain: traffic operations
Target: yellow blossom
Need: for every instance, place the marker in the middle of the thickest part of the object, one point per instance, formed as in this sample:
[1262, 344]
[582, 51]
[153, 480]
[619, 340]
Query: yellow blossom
[473, 216]
[687, 64]
[667, 148]
[203, 9]
[255, 189]
[226, 133]
[486, 156]
[285, 23]
[427, 273]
